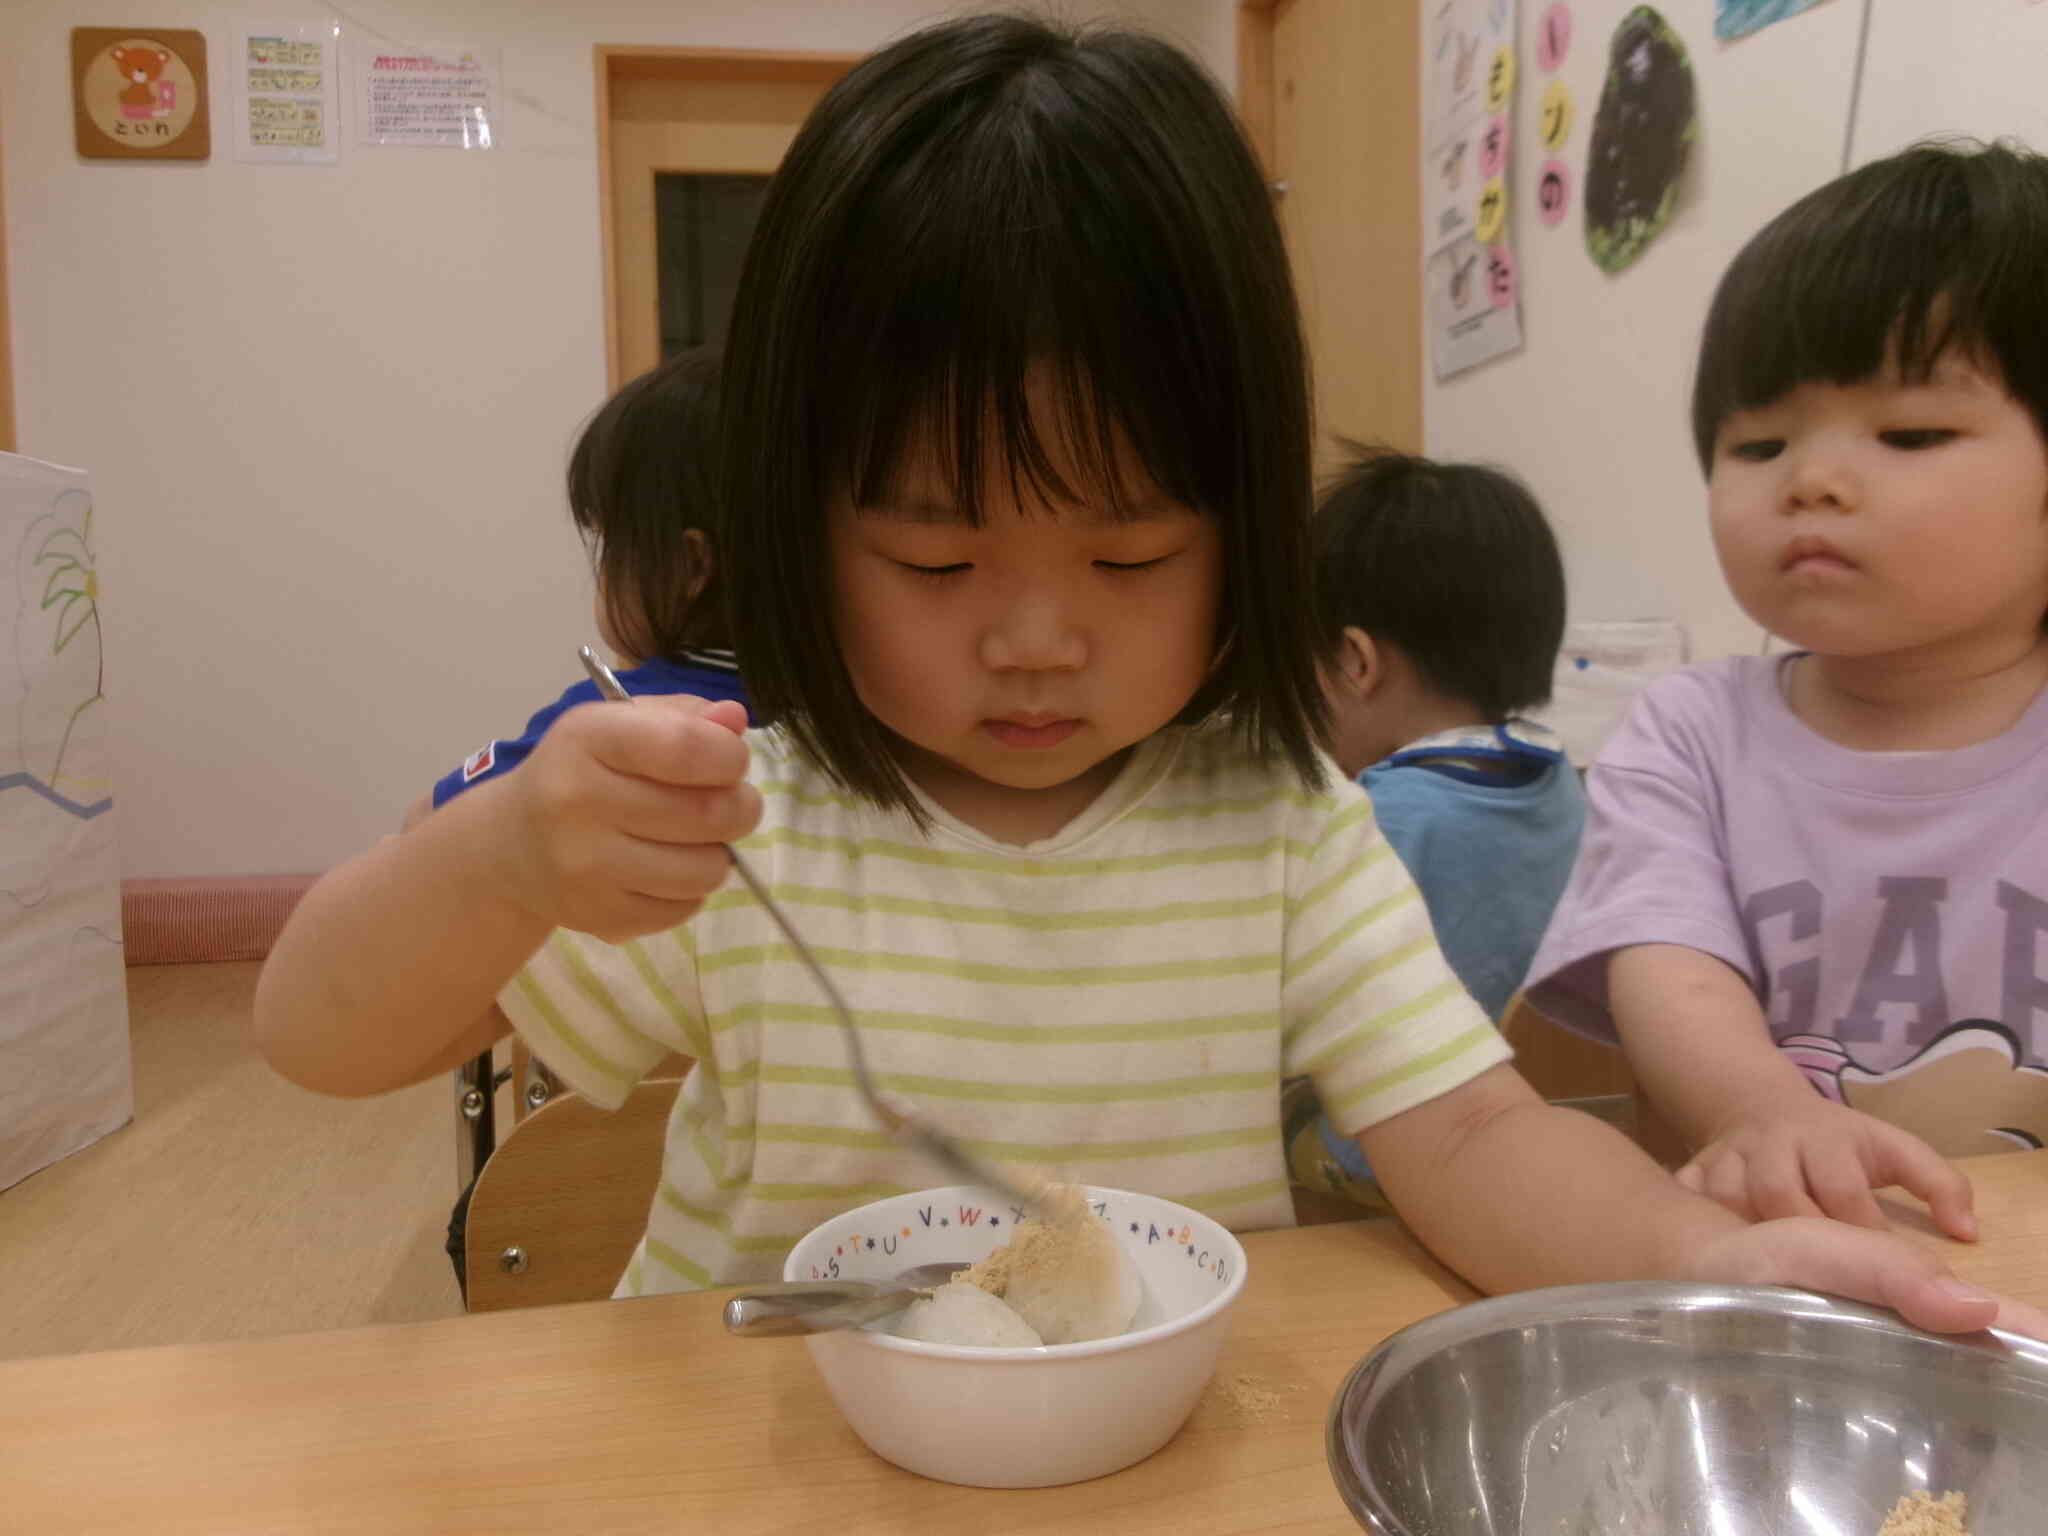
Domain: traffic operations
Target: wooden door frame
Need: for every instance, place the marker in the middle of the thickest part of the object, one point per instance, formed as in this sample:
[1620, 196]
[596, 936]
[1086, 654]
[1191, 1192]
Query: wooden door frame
[1255, 22]
[612, 62]
[6, 331]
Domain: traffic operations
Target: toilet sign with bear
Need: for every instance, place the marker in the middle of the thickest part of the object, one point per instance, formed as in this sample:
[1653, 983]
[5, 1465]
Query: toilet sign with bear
[139, 93]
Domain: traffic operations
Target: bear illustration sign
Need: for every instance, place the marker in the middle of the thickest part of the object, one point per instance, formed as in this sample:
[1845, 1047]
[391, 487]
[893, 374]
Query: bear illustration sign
[139, 93]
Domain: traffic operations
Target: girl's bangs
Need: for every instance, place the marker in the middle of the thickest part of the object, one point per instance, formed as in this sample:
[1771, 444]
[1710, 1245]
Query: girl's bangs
[1009, 320]
[1893, 268]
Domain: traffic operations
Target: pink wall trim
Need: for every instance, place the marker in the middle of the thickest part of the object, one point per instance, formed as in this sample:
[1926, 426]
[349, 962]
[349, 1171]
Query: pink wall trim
[177, 922]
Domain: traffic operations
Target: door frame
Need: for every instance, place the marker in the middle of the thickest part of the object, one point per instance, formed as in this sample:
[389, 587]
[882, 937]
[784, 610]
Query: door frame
[612, 62]
[6, 331]
[1255, 22]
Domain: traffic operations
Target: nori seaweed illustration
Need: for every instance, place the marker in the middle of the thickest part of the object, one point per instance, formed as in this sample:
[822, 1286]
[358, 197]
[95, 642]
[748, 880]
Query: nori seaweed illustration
[1641, 133]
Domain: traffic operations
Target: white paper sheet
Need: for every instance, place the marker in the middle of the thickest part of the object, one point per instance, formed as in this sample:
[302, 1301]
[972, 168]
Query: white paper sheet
[65, 1065]
[286, 83]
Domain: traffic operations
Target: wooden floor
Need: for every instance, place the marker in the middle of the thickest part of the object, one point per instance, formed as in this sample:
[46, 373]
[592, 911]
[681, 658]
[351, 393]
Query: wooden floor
[234, 1204]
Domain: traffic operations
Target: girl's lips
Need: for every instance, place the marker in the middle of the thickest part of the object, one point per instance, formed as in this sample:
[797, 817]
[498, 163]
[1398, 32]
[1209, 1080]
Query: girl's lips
[1031, 737]
[1813, 555]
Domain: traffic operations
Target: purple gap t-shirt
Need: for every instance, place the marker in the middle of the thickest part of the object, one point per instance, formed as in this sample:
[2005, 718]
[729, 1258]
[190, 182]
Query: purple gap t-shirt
[1889, 909]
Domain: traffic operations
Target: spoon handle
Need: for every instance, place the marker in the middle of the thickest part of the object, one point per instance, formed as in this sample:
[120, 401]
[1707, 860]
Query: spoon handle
[810, 1306]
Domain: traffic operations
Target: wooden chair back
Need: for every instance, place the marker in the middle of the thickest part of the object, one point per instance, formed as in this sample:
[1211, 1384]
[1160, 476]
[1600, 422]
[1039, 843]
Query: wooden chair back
[564, 1198]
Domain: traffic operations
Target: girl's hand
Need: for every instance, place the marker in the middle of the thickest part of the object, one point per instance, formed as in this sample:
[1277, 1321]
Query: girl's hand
[1873, 1267]
[618, 819]
[1824, 1159]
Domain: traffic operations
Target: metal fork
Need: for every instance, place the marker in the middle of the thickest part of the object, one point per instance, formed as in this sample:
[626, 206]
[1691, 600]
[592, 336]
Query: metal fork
[909, 1129]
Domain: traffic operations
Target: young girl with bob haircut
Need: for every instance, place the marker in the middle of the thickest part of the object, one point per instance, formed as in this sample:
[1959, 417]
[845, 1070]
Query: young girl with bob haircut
[1016, 492]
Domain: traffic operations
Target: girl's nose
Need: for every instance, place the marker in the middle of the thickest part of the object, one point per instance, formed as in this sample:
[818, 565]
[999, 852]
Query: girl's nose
[1033, 633]
[1820, 477]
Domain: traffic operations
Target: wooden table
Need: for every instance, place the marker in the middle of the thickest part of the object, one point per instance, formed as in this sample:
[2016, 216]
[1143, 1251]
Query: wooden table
[644, 1416]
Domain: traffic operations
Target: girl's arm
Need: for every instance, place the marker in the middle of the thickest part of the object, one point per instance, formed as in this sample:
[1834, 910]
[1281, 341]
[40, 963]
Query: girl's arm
[1514, 1193]
[1766, 1144]
[388, 969]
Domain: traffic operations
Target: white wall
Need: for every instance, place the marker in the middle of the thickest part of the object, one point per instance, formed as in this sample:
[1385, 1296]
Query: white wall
[327, 411]
[1593, 411]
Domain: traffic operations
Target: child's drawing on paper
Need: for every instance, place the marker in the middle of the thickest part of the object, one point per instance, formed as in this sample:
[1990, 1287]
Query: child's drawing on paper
[58, 665]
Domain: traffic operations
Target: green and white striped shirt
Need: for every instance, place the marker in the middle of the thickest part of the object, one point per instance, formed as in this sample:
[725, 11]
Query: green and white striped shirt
[1117, 1003]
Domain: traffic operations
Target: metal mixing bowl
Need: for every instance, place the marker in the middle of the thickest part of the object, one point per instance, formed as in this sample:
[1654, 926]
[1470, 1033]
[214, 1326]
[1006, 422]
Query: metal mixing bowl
[1686, 1410]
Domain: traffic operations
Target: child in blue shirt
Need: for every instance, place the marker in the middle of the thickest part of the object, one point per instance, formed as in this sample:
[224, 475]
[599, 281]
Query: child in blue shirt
[641, 492]
[1442, 601]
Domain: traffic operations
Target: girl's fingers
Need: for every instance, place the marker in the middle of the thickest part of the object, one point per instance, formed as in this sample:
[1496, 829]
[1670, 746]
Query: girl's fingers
[1777, 1182]
[1839, 1183]
[657, 813]
[1907, 1161]
[1866, 1266]
[674, 739]
[2019, 1317]
[636, 869]
[729, 713]
[1725, 1181]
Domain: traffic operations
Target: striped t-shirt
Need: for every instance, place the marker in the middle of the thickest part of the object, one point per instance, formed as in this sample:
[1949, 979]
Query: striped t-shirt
[1117, 1003]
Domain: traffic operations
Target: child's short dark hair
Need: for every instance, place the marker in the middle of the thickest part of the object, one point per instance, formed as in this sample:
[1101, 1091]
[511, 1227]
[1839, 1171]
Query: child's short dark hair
[1944, 245]
[1455, 566]
[643, 474]
[986, 198]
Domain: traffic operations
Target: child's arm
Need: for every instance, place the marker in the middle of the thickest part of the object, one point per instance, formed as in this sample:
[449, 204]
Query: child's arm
[1513, 1193]
[389, 967]
[1766, 1144]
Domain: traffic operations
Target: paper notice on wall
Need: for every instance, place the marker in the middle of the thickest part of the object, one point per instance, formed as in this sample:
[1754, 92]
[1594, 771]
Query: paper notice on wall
[438, 98]
[1472, 294]
[1467, 92]
[1471, 282]
[286, 83]
[65, 1073]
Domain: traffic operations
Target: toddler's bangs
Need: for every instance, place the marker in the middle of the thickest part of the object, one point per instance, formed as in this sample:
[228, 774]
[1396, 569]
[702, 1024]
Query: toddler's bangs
[1894, 266]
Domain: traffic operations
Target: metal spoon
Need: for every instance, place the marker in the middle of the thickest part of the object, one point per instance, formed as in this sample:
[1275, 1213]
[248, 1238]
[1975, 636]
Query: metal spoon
[821, 1306]
[908, 1129]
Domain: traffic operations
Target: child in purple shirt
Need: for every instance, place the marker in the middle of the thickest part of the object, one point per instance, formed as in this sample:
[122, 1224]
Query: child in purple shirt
[1812, 898]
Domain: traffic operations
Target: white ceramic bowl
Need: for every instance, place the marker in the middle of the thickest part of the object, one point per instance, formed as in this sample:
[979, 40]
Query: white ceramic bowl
[1024, 1418]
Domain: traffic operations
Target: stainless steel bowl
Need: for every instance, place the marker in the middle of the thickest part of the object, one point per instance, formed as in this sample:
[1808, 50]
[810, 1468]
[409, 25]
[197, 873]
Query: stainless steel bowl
[1686, 1410]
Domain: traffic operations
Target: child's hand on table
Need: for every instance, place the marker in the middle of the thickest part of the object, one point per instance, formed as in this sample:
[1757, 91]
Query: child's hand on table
[1825, 1159]
[617, 822]
[1819, 1255]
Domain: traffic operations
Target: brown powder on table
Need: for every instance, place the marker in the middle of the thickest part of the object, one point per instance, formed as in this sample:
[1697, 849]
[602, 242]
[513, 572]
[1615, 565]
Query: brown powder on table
[1922, 1514]
[1249, 1400]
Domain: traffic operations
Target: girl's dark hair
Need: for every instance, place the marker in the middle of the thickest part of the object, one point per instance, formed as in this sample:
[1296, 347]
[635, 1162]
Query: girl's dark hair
[986, 199]
[1944, 245]
[643, 474]
[1455, 566]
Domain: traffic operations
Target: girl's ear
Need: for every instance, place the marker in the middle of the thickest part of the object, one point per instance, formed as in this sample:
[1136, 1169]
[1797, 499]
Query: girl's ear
[1360, 662]
[698, 545]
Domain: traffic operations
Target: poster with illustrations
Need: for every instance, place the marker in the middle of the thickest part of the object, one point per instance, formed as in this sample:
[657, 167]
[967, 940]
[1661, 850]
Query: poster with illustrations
[65, 1074]
[1472, 293]
[287, 89]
